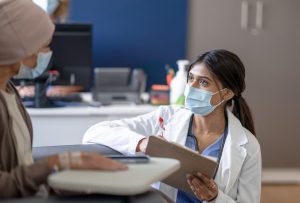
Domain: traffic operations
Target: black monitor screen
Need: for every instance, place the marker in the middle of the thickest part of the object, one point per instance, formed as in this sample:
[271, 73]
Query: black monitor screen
[72, 54]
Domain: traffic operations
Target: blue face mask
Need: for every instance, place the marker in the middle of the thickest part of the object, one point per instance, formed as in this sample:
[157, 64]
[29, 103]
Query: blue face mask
[52, 6]
[198, 100]
[43, 59]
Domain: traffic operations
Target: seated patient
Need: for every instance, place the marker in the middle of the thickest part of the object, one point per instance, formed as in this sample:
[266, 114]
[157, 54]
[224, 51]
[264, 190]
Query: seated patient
[216, 121]
[26, 31]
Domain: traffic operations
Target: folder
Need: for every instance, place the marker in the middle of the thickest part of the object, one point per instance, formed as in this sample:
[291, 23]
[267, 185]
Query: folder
[191, 161]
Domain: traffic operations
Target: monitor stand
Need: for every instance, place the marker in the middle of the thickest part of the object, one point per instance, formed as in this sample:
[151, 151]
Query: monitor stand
[40, 98]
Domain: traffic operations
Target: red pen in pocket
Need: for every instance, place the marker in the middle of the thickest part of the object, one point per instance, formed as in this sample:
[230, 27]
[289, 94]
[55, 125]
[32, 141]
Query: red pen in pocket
[161, 126]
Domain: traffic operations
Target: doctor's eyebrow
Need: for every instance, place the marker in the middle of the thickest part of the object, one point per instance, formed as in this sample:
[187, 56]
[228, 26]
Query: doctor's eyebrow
[200, 76]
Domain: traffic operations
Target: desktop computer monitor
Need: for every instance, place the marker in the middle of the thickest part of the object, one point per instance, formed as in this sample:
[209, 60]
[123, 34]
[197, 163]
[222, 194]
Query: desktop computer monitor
[72, 54]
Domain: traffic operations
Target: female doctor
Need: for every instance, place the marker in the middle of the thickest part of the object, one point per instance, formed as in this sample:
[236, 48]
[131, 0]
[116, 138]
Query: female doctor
[216, 121]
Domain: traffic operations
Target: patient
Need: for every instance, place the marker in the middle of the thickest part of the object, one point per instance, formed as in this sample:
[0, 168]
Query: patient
[26, 31]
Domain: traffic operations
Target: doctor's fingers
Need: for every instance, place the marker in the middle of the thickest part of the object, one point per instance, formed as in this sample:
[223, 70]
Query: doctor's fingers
[196, 191]
[210, 183]
[94, 161]
[200, 190]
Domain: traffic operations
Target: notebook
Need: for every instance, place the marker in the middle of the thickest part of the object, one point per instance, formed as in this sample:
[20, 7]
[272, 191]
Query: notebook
[191, 162]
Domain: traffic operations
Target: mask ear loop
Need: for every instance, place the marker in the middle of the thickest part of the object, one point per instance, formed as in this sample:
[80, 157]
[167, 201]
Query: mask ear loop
[221, 102]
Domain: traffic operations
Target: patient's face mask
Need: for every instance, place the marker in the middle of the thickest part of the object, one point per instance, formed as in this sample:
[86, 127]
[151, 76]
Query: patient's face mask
[198, 100]
[43, 59]
[52, 5]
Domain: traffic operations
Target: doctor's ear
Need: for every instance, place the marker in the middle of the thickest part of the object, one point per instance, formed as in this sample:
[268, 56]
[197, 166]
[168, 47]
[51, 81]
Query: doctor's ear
[228, 94]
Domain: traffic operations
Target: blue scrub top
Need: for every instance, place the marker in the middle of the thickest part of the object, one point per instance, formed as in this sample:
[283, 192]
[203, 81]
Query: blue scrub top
[212, 150]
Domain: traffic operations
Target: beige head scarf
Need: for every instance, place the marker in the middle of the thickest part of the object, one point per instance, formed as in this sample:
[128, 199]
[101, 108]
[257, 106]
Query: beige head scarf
[24, 29]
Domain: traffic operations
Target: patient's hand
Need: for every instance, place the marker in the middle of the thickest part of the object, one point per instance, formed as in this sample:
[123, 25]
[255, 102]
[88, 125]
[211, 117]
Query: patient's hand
[94, 161]
[84, 161]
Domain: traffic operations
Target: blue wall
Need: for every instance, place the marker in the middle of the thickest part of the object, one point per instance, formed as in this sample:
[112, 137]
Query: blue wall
[137, 33]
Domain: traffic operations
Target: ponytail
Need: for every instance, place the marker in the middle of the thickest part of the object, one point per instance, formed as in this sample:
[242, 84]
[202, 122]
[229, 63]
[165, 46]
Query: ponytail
[242, 111]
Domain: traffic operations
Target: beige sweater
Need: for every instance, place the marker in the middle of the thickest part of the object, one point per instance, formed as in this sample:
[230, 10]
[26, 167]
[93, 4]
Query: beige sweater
[17, 180]
[20, 129]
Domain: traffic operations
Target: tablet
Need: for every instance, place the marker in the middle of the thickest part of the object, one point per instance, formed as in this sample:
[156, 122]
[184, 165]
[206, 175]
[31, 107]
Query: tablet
[191, 162]
[130, 159]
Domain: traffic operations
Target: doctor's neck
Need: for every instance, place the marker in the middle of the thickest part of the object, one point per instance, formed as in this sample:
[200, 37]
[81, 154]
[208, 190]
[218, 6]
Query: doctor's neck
[212, 124]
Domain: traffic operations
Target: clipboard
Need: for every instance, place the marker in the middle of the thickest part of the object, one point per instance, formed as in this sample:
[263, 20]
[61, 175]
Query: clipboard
[191, 162]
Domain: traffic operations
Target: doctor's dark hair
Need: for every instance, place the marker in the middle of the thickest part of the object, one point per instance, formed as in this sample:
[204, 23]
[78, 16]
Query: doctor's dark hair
[230, 71]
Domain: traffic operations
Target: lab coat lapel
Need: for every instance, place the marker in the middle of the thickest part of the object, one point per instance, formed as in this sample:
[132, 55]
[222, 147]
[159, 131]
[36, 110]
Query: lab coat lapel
[234, 153]
[179, 125]
[176, 130]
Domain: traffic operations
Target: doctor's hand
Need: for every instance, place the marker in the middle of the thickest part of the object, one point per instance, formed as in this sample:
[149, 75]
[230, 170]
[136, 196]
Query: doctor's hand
[84, 161]
[203, 187]
[142, 145]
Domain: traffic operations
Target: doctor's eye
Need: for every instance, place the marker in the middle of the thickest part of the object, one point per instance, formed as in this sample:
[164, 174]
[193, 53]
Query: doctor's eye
[190, 77]
[203, 83]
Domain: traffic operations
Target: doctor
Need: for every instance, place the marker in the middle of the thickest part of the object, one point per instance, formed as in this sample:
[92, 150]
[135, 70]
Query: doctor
[216, 121]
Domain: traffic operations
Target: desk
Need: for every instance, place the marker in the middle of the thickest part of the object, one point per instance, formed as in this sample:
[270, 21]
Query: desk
[41, 152]
[148, 197]
[67, 125]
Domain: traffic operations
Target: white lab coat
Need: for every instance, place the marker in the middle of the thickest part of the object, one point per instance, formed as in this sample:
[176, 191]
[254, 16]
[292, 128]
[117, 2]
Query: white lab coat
[239, 173]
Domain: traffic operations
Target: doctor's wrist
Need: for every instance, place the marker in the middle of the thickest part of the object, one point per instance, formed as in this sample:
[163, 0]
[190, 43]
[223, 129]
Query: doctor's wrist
[212, 200]
[142, 145]
[138, 148]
